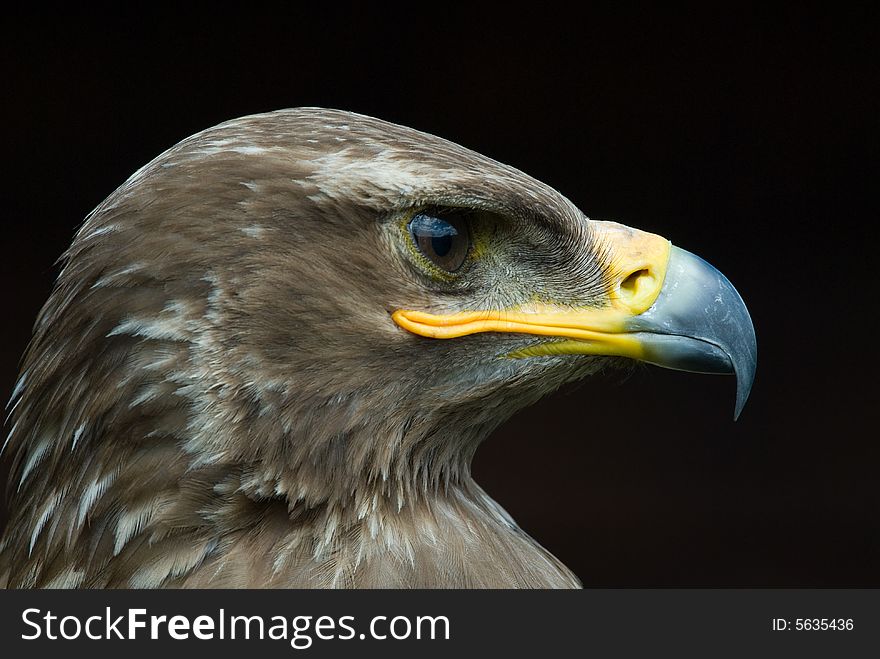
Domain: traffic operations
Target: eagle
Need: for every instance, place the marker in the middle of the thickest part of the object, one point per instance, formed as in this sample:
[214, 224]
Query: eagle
[270, 355]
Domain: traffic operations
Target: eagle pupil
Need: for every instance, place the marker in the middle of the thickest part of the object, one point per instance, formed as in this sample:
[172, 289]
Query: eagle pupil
[441, 245]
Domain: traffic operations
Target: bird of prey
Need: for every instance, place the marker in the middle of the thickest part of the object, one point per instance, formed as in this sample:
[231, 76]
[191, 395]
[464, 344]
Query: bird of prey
[270, 355]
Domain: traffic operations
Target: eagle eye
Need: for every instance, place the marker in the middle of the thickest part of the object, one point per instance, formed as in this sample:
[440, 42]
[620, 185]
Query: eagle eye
[444, 241]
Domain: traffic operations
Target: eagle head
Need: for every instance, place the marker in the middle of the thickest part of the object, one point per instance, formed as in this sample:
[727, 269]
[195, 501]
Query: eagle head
[270, 355]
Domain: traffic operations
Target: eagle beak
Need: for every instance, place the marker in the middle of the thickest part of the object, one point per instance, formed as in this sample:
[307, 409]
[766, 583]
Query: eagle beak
[665, 306]
[699, 323]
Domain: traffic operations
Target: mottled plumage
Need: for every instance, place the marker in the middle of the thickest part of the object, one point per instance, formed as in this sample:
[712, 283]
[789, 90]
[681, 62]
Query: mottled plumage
[216, 395]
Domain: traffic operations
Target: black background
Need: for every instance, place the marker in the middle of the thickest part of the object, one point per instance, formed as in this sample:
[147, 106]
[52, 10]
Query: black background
[746, 135]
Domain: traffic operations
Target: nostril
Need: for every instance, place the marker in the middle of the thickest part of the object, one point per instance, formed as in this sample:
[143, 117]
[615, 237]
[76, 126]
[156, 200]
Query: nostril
[630, 285]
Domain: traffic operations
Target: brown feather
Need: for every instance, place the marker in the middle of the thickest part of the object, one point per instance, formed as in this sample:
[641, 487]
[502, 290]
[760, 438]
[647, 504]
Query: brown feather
[215, 395]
